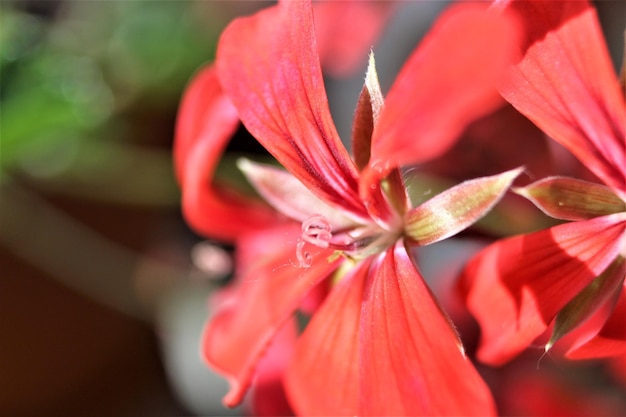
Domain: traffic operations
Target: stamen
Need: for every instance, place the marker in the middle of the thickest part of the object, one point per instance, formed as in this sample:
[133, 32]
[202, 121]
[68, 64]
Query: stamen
[317, 231]
[356, 243]
[305, 259]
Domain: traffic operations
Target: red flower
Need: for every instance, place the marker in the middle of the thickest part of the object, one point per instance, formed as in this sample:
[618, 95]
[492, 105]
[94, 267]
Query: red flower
[572, 273]
[379, 343]
[346, 30]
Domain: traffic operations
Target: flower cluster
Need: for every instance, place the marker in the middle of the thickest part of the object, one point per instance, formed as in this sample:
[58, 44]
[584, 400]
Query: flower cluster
[330, 236]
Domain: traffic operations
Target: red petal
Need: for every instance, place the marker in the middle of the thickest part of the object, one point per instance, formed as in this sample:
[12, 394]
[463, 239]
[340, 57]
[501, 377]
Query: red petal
[411, 360]
[611, 340]
[269, 67]
[267, 295]
[289, 196]
[394, 353]
[268, 393]
[516, 286]
[206, 122]
[567, 86]
[346, 31]
[257, 247]
[447, 82]
[331, 339]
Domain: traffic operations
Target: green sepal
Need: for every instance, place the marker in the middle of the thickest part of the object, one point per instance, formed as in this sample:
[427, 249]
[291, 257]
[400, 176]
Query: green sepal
[601, 290]
[572, 199]
[369, 107]
[457, 208]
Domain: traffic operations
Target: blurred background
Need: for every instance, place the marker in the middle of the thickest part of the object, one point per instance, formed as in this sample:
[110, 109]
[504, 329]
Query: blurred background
[101, 304]
[103, 287]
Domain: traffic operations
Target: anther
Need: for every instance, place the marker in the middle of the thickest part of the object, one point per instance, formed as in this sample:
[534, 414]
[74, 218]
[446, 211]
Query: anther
[317, 231]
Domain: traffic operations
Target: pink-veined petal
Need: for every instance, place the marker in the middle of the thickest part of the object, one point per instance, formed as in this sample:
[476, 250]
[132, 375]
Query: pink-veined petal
[447, 82]
[323, 378]
[269, 67]
[346, 31]
[411, 360]
[266, 296]
[567, 86]
[206, 122]
[515, 287]
[289, 196]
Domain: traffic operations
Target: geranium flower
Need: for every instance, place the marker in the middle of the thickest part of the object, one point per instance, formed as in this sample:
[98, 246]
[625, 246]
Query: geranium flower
[379, 343]
[346, 30]
[573, 273]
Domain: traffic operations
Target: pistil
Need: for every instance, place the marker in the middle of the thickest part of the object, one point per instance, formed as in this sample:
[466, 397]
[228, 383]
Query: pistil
[356, 243]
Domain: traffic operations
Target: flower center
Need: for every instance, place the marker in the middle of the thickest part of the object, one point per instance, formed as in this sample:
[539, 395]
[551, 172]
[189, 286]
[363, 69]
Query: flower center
[357, 242]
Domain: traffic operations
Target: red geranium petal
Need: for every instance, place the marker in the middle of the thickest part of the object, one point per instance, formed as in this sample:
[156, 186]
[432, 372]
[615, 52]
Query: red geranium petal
[447, 82]
[268, 65]
[392, 353]
[516, 286]
[237, 336]
[411, 360]
[567, 86]
[289, 196]
[258, 246]
[346, 31]
[327, 357]
[206, 122]
[267, 396]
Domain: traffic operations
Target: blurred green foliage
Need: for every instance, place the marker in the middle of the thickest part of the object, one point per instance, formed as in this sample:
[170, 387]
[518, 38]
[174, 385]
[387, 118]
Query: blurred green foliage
[90, 89]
